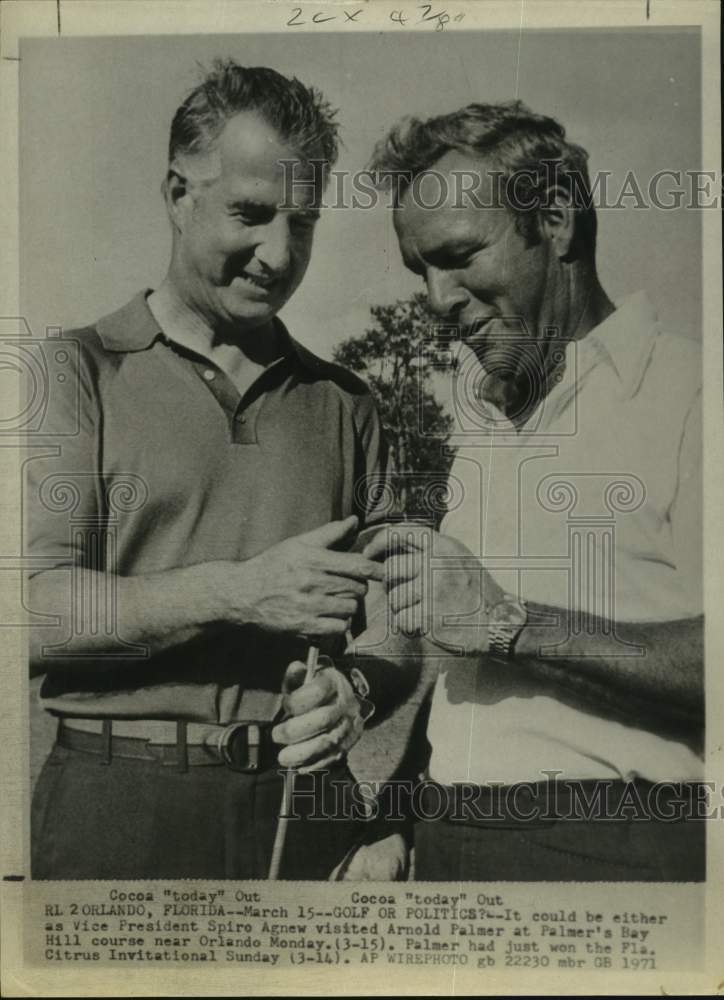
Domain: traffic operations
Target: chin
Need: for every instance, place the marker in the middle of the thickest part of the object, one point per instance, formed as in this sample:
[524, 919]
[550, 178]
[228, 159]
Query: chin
[498, 393]
[501, 389]
[254, 313]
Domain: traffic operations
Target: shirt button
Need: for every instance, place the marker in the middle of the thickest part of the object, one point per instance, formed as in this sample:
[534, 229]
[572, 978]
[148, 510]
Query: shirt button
[209, 374]
[241, 419]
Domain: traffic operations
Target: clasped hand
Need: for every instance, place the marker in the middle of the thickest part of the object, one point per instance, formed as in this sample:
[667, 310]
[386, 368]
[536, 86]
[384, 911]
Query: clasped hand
[324, 717]
[431, 580]
[302, 586]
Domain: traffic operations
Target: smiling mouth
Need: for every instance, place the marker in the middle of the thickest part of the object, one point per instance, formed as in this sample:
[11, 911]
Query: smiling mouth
[477, 332]
[263, 284]
[478, 325]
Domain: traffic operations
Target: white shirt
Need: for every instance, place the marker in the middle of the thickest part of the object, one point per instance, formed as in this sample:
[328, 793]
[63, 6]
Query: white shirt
[594, 505]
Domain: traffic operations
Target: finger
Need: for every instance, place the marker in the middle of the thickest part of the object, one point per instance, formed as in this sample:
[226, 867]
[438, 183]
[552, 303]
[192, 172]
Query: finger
[300, 729]
[317, 691]
[350, 565]
[340, 607]
[379, 546]
[324, 626]
[319, 749]
[411, 622]
[322, 763]
[402, 567]
[356, 589]
[418, 536]
[401, 538]
[381, 865]
[294, 676]
[403, 597]
[331, 533]
[328, 606]
[356, 870]
[341, 740]
[386, 860]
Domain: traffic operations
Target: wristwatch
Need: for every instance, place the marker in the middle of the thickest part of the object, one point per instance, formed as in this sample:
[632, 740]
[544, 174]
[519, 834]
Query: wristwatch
[361, 688]
[507, 620]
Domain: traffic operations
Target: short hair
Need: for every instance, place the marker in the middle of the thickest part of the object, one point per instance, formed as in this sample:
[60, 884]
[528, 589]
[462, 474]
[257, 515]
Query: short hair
[301, 115]
[517, 143]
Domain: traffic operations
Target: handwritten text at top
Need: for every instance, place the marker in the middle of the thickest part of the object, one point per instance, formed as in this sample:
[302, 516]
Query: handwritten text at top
[424, 13]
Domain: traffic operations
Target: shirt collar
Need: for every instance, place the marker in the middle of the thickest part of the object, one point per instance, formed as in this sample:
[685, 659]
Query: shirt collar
[131, 328]
[626, 339]
[134, 328]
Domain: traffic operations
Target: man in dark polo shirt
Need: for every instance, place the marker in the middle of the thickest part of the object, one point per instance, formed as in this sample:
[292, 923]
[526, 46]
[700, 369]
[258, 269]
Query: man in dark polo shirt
[189, 522]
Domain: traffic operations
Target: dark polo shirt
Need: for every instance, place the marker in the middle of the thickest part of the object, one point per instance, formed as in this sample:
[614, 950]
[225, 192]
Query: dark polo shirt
[154, 461]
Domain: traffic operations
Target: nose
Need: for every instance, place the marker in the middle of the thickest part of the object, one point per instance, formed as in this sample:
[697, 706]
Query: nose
[273, 249]
[446, 295]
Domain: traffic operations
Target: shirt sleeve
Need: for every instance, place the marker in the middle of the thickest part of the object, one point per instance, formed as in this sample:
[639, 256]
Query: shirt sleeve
[62, 487]
[686, 512]
[375, 496]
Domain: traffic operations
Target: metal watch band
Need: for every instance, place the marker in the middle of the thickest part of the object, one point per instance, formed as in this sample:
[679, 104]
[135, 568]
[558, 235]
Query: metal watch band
[500, 640]
[503, 632]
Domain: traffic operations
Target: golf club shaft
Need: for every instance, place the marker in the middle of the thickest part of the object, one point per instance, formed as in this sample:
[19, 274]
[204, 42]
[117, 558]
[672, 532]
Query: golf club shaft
[289, 775]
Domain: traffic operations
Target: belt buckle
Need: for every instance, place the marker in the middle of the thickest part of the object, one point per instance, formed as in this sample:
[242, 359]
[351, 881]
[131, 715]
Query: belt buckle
[229, 741]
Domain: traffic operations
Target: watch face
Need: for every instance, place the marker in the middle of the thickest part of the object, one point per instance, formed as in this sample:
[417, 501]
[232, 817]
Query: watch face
[509, 612]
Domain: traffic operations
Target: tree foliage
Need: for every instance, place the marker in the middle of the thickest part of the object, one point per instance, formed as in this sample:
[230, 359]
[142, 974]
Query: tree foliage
[396, 357]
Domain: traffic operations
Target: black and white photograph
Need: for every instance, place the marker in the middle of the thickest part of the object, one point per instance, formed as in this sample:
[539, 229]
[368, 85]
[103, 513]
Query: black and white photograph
[364, 465]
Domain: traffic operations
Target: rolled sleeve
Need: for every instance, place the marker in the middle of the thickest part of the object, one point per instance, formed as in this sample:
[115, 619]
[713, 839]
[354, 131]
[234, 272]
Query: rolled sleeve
[376, 502]
[62, 484]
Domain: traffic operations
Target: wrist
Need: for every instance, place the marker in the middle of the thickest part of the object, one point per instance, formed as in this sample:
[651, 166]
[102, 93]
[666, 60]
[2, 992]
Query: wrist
[473, 638]
[507, 621]
[225, 588]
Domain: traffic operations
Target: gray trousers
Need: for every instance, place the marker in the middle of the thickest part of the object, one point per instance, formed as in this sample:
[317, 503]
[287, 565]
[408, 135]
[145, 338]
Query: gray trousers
[133, 819]
[577, 849]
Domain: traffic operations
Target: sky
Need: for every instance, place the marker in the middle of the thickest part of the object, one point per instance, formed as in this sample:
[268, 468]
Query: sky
[95, 114]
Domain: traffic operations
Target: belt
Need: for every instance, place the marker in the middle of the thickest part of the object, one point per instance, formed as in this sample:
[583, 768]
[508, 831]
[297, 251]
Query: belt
[246, 747]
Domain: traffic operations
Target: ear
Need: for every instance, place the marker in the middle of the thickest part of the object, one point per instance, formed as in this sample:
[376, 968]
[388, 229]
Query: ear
[177, 195]
[557, 222]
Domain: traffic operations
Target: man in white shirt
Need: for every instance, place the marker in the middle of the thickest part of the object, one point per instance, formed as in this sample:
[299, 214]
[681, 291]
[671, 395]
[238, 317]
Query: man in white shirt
[563, 594]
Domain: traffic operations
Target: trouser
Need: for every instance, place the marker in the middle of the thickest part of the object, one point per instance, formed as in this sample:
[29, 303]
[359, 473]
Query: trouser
[133, 819]
[669, 846]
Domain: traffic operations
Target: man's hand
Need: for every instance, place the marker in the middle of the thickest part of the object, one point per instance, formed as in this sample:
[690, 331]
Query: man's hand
[433, 579]
[386, 860]
[301, 586]
[325, 718]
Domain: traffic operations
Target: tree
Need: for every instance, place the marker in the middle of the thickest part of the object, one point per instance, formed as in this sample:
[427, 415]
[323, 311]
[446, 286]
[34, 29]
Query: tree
[396, 357]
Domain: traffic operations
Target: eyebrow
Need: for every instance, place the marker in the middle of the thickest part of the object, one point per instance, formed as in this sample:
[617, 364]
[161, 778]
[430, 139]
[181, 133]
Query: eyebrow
[453, 246]
[250, 204]
[459, 244]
